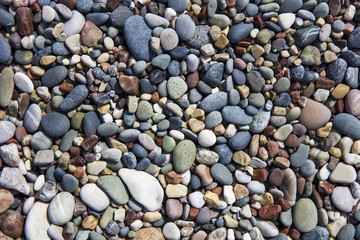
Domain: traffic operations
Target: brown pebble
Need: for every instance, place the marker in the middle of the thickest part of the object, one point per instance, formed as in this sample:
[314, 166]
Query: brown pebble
[334, 7]
[200, 235]
[90, 142]
[276, 177]
[282, 162]
[24, 102]
[325, 187]
[111, 5]
[300, 185]
[130, 84]
[283, 153]
[323, 82]
[12, 223]
[269, 131]
[79, 172]
[173, 178]
[192, 79]
[24, 17]
[260, 174]
[284, 204]
[69, 3]
[131, 216]
[292, 141]
[149, 233]
[6, 200]
[78, 160]
[90, 34]
[272, 148]
[20, 133]
[155, 97]
[269, 211]
[193, 213]
[316, 197]
[294, 234]
[66, 87]
[217, 190]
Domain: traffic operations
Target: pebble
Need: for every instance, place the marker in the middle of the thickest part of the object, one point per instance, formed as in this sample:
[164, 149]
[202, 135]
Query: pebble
[55, 124]
[141, 185]
[240, 140]
[75, 24]
[23, 82]
[342, 198]
[314, 114]
[235, 115]
[94, 197]
[6, 84]
[347, 124]
[240, 31]
[221, 174]
[184, 156]
[185, 27]
[305, 215]
[6, 50]
[32, 118]
[7, 129]
[137, 35]
[54, 76]
[60, 210]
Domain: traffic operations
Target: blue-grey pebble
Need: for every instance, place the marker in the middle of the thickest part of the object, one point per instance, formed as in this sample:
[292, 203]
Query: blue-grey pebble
[299, 157]
[290, 6]
[129, 159]
[306, 36]
[59, 173]
[185, 27]
[129, 135]
[69, 183]
[40, 141]
[146, 86]
[201, 37]
[37, 56]
[161, 61]
[137, 36]
[195, 182]
[221, 174]
[251, 10]
[139, 151]
[174, 68]
[74, 98]
[354, 39]
[214, 74]
[59, 49]
[224, 152]
[321, 10]
[347, 124]
[347, 232]
[235, 115]
[6, 19]
[336, 70]
[107, 129]
[178, 53]
[5, 50]
[175, 123]
[238, 77]
[119, 16]
[84, 6]
[214, 102]
[240, 31]
[178, 5]
[55, 124]
[97, 18]
[159, 159]
[240, 140]
[143, 164]
[282, 100]
[351, 58]
[54, 76]
[91, 122]
[318, 233]
[67, 139]
[213, 119]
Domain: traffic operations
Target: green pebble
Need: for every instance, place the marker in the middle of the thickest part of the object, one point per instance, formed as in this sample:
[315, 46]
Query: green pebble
[77, 221]
[269, 7]
[256, 100]
[114, 188]
[176, 87]
[131, 234]
[77, 119]
[168, 144]
[144, 111]
[282, 85]
[184, 156]
[220, 20]
[56, 100]
[106, 217]
[264, 36]
[157, 117]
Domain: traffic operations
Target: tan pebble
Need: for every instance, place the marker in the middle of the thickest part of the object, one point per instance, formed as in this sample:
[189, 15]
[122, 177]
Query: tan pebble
[356, 147]
[198, 113]
[241, 158]
[243, 90]
[152, 216]
[254, 145]
[176, 190]
[104, 109]
[264, 199]
[340, 91]
[211, 198]
[196, 125]
[222, 42]
[90, 222]
[219, 129]
[334, 151]
[203, 172]
[324, 131]
[329, 56]
[240, 191]
[47, 60]
[320, 22]
[230, 222]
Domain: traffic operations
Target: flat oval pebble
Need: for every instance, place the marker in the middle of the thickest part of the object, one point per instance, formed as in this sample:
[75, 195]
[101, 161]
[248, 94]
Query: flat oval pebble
[32, 118]
[94, 197]
[37, 223]
[61, 208]
[305, 215]
[348, 125]
[54, 76]
[314, 115]
[7, 130]
[23, 82]
[55, 124]
[74, 98]
[184, 156]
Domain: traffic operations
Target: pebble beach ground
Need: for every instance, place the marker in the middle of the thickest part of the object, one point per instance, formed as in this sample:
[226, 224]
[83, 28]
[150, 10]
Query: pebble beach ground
[179, 119]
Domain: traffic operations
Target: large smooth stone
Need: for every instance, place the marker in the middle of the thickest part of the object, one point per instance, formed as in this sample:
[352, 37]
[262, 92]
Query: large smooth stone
[114, 188]
[314, 115]
[5, 50]
[240, 31]
[137, 36]
[37, 224]
[32, 118]
[55, 124]
[75, 24]
[12, 178]
[143, 187]
[342, 198]
[61, 208]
